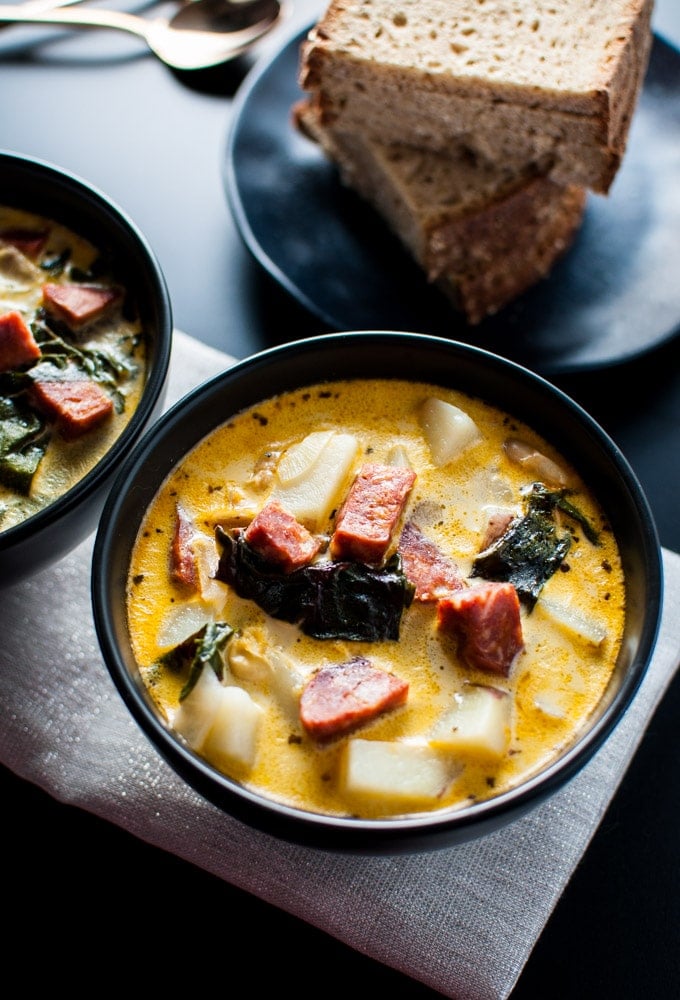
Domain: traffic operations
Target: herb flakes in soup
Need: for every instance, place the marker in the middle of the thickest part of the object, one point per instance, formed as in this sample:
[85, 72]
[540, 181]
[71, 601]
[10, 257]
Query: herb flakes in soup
[375, 597]
[72, 361]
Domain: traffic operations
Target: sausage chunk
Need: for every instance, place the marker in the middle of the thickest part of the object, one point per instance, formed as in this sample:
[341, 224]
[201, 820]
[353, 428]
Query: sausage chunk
[76, 405]
[183, 568]
[370, 513]
[279, 538]
[77, 304]
[28, 241]
[485, 619]
[17, 344]
[432, 573]
[344, 696]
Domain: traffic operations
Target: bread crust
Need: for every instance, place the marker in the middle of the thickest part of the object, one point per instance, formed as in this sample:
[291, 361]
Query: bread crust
[515, 244]
[483, 235]
[407, 84]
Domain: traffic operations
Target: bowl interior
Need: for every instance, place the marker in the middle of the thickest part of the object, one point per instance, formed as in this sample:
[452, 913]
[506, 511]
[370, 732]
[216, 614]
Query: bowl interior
[46, 190]
[385, 355]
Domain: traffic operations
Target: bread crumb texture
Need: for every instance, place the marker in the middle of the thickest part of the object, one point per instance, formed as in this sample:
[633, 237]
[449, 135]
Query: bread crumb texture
[566, 46]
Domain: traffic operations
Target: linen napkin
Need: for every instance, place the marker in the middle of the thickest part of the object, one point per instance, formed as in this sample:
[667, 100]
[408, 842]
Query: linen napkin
[462, 920]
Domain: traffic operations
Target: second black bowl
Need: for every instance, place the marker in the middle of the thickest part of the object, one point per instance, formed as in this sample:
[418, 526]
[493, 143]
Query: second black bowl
[43, 189]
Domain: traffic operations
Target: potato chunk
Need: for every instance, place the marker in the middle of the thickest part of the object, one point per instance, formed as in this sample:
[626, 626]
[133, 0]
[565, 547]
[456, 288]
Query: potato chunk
[196, 713]
[296, 461]
[448, 430]
[404, 773]
[221, 723]
[586, 627]
[478, 723]
[310, 491]
[233, 735]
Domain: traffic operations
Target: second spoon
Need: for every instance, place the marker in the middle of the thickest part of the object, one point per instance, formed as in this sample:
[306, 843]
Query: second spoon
[202, 34]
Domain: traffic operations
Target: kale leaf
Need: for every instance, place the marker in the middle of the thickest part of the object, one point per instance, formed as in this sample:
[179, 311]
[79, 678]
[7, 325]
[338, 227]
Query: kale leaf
[203, 648]
[23, 430]
[567, 507]
[328, 600]
[531, 550]
[22, 444]
[55, 265]
[103, 366]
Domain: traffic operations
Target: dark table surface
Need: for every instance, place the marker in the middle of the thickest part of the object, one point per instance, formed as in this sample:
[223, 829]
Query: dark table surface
[86, 904]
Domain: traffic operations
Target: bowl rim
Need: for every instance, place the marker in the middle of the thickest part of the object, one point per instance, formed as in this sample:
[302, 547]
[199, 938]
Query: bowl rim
[98, 475]
[406, 832]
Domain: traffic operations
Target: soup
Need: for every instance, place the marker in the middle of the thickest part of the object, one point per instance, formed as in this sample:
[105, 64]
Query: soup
[375, 597]
[72, 361]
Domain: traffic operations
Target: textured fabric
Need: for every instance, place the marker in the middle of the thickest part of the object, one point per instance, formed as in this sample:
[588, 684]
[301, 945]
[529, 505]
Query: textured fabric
[463, 920]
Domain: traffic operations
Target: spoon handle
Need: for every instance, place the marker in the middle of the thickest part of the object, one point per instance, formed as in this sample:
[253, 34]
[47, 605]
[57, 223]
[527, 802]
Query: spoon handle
[36, 6]
[90, 18]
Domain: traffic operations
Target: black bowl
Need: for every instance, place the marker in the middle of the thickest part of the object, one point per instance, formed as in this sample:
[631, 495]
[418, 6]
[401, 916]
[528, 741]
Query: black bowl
[44, 189]
[398, 355]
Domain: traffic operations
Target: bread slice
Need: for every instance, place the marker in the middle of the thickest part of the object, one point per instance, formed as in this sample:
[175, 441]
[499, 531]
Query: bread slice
[525, 82]
[483, 233]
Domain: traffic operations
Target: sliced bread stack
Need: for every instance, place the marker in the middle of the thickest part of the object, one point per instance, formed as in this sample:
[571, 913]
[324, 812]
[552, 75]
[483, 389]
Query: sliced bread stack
[475, 127]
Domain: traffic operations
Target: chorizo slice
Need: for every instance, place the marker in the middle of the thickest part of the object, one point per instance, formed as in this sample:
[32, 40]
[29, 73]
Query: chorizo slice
[370, 513]
[17, 344]
[485, 620]
[183, 566]
[28, 241]
[431, 572]
[76, 405]
[77, 304]
[280, 539]
[344, 696]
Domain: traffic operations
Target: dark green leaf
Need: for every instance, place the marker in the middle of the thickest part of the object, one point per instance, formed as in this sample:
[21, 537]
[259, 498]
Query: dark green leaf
[589, 529]
[22, 444]
[98, 269]
[529, 551]
[356, 602]
[104, 366]
[17, 469]
[328, 600]
[13, 382]
[200, 650]
[55, 265]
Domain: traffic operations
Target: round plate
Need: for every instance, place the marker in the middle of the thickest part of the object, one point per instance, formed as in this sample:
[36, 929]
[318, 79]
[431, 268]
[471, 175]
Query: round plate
[614, 296]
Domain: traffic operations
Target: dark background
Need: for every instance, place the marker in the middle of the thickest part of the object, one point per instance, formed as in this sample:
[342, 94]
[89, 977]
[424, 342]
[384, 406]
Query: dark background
[88, 905]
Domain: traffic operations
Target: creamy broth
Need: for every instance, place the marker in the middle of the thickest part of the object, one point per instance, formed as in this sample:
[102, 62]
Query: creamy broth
[571, 635]
[111, 344]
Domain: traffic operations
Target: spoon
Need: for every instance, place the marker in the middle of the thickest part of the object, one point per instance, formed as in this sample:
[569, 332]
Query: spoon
[37, 6]
[200, 35]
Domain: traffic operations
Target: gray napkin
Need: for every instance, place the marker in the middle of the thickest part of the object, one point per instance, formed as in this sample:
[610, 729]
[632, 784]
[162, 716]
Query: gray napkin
[462, 920]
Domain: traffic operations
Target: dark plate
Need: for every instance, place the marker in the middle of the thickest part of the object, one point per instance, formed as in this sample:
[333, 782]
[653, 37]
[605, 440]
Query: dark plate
[615, 296]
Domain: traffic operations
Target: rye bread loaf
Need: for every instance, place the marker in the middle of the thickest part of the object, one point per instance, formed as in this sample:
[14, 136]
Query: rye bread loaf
[516, 81]
[483, 232]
